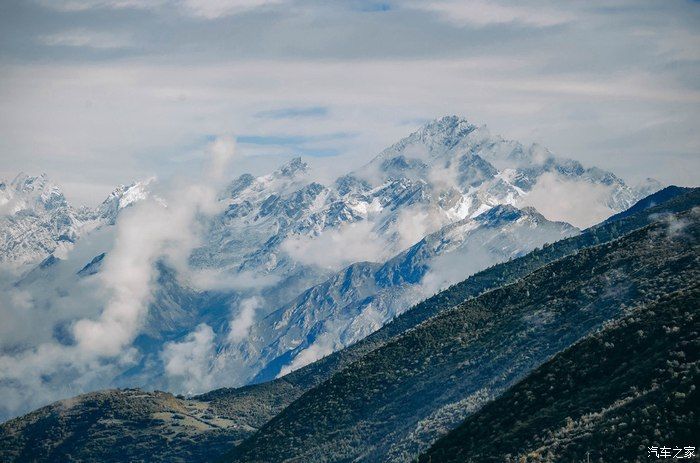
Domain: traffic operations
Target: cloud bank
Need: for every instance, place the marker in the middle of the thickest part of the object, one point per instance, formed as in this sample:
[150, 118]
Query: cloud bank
[188, 361]
[239, 326]
[91, 350]
[335, 248]
[579, 203]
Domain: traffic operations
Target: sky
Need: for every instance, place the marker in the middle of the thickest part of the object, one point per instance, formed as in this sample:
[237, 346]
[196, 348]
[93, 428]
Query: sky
[101, 92]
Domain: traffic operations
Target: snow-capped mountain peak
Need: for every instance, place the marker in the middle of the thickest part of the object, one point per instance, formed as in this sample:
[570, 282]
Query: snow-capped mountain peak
[37, 220]
[28, 192]
[292, 168]
[325, 265]
[25, 183]
[122, 196]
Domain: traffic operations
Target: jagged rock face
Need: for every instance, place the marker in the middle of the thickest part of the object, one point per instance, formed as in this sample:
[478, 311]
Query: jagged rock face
[450, 169]
[36, 221]
[446, 172]
[489, 169]
[123, 196]
[329, 264]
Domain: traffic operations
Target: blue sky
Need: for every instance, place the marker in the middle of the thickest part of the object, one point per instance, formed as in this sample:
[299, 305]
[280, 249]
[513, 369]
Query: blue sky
[101, 92]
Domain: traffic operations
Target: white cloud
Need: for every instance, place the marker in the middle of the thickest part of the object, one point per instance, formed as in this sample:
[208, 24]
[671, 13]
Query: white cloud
[413, 225]
[212, 9]
[221, 152]
[239, 326]
[322, 346]
[128, 274]
[451, 268]
[335, 248]
[675, 226]
[87, 38]
[146, 232]
[484, 13]
[579, 203]
[205, 9]
[189, 361]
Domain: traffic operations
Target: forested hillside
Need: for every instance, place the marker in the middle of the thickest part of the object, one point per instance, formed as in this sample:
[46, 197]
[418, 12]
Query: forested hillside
[631, 386]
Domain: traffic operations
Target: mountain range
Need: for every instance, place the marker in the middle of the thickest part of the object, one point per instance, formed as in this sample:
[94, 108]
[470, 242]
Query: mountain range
[37, 221]
[593, 335]
[288, 270]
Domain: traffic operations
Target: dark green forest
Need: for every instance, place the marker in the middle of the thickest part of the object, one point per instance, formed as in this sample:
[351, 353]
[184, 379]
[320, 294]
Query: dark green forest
[608, 398]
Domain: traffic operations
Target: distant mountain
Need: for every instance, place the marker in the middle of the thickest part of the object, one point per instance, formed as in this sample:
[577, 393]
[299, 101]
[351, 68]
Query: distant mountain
[485, 169]
[107, 425]
[363, 297]
[652, 200]
[36, 220]
[286, 226]
[455, 168]
[609, 397]
[310, 268]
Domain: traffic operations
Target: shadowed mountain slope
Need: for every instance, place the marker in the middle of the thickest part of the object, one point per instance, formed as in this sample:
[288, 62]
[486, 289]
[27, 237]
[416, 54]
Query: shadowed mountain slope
[612, 395]
[650, 201]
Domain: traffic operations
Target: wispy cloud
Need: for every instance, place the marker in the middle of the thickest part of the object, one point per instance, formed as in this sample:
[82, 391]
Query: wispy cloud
[213, 9]
[579, 203]
[481, 13]
[84, 5]
[292, 113]
[189, 361]
[333, 249]
[152, 230]
[87, 38]
[587, 81]
[239, 326]
[206, 9]
[147, 232]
